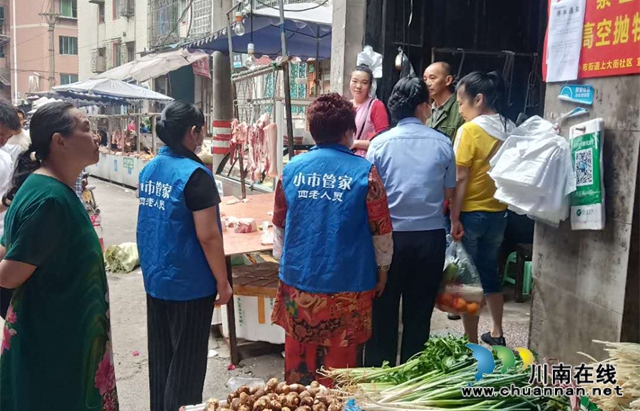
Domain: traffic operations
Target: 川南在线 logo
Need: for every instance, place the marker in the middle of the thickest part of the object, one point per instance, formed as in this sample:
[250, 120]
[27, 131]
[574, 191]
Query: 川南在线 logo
[487, 365]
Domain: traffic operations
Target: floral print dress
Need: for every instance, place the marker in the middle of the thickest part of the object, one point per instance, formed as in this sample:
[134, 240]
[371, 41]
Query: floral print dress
[329, 330]
[56, 350]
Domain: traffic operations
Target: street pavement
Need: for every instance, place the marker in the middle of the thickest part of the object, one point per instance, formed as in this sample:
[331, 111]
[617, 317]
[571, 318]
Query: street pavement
[119, 207]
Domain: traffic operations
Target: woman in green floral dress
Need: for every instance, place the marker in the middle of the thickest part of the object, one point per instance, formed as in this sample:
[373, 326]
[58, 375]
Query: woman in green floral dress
[56, 347]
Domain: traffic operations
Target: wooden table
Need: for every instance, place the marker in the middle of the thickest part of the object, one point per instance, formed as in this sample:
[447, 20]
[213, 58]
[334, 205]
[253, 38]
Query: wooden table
[253, 281]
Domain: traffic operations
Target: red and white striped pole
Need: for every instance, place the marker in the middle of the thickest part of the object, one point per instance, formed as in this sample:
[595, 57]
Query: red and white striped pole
[222, 106]
[221, 139]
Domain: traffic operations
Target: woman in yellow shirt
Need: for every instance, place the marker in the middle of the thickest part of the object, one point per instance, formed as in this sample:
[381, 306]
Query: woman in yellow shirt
[477, 218]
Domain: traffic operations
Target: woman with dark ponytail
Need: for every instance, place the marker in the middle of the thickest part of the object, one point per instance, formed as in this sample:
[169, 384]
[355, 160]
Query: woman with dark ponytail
[477, 218]
[57, 339]
[182, 258]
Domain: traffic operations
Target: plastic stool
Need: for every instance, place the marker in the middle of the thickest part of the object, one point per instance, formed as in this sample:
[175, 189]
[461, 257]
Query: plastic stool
[528, 278]
[509, 276]
[505, 276]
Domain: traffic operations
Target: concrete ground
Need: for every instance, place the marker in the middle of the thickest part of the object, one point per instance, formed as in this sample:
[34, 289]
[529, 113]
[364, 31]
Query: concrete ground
[128, 317]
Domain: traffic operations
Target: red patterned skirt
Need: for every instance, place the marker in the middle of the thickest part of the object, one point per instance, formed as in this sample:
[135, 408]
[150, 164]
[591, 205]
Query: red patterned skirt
[322, 330]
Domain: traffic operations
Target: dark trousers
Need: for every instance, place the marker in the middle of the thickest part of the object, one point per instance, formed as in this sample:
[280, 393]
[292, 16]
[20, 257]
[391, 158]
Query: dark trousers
[416, 271]
[178, 334]
[5, 300]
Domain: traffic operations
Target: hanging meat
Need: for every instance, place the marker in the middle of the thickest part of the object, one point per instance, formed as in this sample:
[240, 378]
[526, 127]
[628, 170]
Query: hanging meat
[258, 151]
[271, 132]
[238, 139]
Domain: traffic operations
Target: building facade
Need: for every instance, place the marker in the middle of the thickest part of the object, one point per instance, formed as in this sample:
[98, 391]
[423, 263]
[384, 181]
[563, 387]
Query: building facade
[29, 41]
[111, 32]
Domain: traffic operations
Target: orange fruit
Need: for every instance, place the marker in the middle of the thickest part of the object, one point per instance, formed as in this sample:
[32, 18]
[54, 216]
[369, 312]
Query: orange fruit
[460, 305]
[447, 300]
[473, 308]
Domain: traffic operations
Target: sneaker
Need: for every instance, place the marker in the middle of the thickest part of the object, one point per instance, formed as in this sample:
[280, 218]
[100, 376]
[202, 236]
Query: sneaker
[489, 340]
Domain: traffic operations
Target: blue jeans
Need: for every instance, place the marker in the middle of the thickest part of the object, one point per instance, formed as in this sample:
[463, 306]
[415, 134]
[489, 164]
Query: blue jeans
[483, 233]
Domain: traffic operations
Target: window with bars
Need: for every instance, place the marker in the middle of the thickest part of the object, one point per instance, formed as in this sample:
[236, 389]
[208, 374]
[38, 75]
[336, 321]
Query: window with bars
[201, 22]
[68, 79]
[68, 45]
[69, 8]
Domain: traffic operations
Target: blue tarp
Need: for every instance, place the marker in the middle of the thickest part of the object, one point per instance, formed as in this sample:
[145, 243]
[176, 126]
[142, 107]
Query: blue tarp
[303, 38]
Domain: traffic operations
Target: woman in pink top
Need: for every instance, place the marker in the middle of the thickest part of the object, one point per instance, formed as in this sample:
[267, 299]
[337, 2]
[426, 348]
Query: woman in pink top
[371, 115]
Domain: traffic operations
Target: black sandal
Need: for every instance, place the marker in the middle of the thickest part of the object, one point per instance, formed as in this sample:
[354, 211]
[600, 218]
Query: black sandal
[489, 340]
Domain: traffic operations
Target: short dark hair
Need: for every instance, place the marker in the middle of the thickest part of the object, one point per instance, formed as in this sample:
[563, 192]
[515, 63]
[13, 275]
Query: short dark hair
[407, 95]
[446, 67]
[329, 117]
[9, 116]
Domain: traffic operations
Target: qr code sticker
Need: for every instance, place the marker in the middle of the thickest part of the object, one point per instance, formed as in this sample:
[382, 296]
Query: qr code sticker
[584, 167]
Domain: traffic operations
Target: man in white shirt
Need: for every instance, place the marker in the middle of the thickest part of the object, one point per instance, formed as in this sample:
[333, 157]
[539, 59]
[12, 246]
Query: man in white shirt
[9, 126]
[20, 141]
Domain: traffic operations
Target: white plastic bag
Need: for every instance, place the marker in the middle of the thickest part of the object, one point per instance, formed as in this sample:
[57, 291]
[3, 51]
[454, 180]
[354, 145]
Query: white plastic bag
[533, 172]
[461, 289]
[374, 61]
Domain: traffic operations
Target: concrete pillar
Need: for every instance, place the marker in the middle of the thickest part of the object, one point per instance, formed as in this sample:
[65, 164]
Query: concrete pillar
[347, 38]
[222, 111]
[586, 282]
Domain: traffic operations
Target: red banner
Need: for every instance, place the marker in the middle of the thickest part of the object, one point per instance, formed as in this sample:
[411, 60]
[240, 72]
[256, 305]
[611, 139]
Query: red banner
[201, 67]
[610, 40]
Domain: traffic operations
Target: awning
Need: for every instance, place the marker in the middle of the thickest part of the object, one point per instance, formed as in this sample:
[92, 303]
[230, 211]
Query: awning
[308, 33]
[102, 88]
[154, 65]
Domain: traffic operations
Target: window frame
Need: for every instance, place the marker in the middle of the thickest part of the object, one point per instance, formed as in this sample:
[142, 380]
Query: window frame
[116, 9]
[131, 50]
[101, 13]
[69, 78]
[64, 48]
[117, 54]
[74, 8]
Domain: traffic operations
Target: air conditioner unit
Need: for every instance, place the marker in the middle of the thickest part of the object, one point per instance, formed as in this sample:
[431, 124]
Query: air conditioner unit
[127, 8]
[98, 62]
[101, 64]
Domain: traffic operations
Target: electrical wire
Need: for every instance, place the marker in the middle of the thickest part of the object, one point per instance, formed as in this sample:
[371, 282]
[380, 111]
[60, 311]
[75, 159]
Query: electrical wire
[294, 11]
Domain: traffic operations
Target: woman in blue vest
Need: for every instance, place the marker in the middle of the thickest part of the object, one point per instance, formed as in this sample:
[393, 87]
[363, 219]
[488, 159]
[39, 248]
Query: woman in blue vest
[333, 233]
[182, 259]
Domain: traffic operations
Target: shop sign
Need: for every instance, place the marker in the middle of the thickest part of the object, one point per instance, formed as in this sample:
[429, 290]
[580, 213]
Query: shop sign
[577, 93]
[237, 61]
[610, 39]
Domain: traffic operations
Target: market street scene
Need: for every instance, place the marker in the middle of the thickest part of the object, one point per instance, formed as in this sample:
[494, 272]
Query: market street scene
[319, 205]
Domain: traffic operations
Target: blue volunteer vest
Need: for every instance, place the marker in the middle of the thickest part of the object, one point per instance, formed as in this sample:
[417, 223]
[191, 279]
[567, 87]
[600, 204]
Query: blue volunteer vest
[328, 246]
[173, 263]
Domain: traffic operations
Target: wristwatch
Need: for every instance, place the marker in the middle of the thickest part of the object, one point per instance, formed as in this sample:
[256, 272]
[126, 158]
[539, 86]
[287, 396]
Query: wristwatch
[384, 267]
